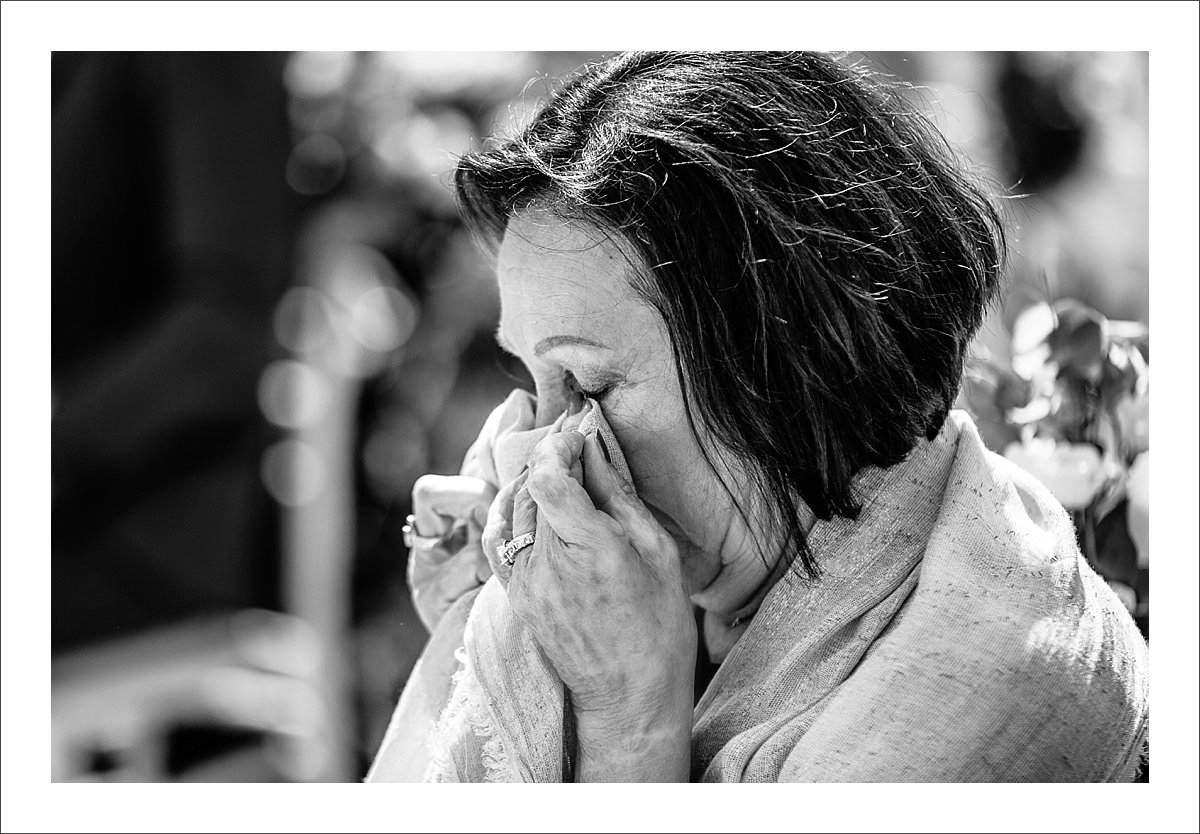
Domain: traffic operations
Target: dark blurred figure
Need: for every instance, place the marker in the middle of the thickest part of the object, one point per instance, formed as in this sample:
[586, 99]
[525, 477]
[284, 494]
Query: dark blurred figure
[1047, 126]
[172, 230]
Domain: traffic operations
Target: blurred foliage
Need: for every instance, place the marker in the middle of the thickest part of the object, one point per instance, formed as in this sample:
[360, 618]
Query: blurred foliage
[375, 138]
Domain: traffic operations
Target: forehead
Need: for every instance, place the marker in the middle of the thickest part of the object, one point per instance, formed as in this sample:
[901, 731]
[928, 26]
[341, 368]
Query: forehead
[553, 270]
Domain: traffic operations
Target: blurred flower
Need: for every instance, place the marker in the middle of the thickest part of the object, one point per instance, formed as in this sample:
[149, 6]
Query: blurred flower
[1138, 518]
[1074, 472]
[1029, 333]
[1079, 342]
[1132, 412]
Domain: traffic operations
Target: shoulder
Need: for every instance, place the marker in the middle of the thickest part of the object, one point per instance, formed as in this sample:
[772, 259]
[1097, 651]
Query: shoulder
[1010, 661]
[1010, 638]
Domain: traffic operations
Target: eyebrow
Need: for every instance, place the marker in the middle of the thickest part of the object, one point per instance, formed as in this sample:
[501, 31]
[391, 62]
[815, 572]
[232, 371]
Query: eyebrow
[549, 343]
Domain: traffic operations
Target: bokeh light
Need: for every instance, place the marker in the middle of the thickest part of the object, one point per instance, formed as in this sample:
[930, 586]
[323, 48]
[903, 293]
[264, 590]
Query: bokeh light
[293, 472]
[293, 395]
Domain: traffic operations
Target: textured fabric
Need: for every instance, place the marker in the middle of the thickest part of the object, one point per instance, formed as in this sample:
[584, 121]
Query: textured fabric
[446, 728]
[956, 634]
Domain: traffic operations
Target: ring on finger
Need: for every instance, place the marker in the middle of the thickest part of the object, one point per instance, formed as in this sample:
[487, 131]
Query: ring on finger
[414, 539]
[509, 550]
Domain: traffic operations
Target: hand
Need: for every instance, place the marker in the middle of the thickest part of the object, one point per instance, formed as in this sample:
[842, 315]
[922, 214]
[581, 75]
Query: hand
[603, 592]
[454, 508]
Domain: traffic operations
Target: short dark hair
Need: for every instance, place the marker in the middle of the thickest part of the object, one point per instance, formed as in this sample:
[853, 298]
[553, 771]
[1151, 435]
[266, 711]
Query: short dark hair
[819, 259]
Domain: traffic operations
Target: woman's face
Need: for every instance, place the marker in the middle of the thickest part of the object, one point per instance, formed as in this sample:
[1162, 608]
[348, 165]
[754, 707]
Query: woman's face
[569, 313]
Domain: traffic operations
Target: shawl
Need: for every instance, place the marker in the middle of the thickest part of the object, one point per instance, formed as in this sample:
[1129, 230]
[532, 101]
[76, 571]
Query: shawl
[955, 634]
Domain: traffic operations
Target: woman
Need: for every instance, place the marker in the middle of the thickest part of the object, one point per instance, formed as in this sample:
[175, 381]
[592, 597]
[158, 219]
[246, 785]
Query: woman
[744, 284]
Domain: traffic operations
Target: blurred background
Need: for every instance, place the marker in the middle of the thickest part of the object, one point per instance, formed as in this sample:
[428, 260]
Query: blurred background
[268, 321]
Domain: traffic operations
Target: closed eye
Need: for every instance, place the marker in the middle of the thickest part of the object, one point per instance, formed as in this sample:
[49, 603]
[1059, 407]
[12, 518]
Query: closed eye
[595, 392]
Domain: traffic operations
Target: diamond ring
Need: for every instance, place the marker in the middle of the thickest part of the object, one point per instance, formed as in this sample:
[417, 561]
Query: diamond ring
[508, 552]
[414, 539]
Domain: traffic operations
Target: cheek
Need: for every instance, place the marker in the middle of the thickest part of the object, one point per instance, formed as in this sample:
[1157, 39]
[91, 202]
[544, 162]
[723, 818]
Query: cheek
[663, 457]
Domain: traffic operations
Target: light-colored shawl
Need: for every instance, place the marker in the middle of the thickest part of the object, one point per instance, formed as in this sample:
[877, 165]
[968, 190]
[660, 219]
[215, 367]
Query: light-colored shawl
[956, 634]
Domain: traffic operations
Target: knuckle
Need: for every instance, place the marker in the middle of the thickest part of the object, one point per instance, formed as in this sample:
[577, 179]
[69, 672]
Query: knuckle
[545, 447]
[426, 487]
[491, 539]
[551, 448]
[524, 506]
[645, 525]
[612, 528]
[472, 489]
[542, 483]
[495, 523]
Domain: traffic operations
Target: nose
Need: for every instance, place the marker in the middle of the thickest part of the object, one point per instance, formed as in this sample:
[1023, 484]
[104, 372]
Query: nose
[552, 401]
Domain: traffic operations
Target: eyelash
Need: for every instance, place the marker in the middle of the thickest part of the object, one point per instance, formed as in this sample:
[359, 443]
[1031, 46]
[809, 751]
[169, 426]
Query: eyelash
[573, 384]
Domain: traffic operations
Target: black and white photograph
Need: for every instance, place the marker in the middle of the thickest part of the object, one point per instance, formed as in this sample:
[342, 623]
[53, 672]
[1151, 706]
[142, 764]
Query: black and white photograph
[436, 415]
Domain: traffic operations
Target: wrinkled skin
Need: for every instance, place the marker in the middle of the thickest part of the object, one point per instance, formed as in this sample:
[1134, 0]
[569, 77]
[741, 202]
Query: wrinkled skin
[608, 586]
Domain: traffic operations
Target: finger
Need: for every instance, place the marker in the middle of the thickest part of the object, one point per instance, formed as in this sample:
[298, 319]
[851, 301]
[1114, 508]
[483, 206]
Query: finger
[556, 450]
[618, 499]
[438, 500]
[575, 415]
[483, 567]
[444, 551]
[498, 529]
[560, 497]
[524, 517]
[478, 559]
[576, 469]
[530, 566]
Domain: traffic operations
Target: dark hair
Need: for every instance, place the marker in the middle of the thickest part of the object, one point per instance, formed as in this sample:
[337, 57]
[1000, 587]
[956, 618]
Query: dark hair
[819, 261]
